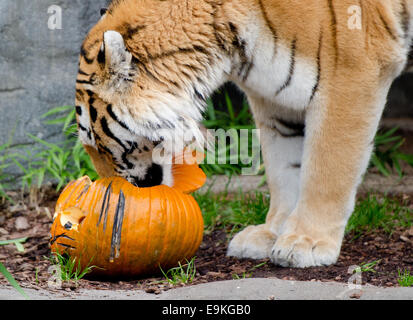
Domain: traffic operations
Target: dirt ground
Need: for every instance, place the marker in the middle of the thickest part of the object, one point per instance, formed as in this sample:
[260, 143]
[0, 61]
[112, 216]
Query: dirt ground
[390, 252]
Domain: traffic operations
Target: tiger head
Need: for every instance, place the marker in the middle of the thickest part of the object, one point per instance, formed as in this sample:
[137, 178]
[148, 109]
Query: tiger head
[141, 88]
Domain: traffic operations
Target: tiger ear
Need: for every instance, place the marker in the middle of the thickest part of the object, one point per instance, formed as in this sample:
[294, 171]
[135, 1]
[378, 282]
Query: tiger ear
[116, 54]
[116, 58]
[103, 11]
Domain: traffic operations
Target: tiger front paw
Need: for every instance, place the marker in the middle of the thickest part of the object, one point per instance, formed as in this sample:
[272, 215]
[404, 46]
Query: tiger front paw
[302, 251]
[253, 242]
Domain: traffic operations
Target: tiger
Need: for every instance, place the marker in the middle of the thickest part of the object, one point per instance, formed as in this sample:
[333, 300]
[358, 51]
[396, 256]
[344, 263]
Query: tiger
[316, 74]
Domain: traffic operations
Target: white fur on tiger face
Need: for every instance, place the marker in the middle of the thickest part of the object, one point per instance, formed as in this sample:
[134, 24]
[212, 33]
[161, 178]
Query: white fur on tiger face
[317, 89]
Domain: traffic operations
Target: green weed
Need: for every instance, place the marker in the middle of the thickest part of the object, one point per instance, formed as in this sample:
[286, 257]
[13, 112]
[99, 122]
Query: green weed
[62, 162]
[387, 155]
[7, 274]
[182, 274]
[369, 266]
[17, 242]
[405, 279]
[227, 159]
[70, 268]
[5, 163]
[12, 281]
[249, 273]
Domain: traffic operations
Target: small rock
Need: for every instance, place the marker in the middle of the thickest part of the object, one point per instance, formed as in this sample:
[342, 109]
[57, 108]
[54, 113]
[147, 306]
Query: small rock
[69, 285]
[406, 239]
[26, 267]
[271, 298]
[355, 296]
[153, 290]
[21, 223]
[18, 207]
[3, 232]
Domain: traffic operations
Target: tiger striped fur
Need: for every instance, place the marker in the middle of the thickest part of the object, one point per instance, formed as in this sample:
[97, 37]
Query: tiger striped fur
[317, 88]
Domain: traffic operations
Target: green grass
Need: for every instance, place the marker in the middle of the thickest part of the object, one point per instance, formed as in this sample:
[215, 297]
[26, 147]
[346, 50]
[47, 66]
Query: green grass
[235, 211]
[6, 273]
[375, 212]
[249, 273]
[182, 274]
[70, 268]
[61, 162]
[12, 281]
[229, 122]
[387, 155]
[5, 163]
[17, 242]
[369, 266]
[405, 279]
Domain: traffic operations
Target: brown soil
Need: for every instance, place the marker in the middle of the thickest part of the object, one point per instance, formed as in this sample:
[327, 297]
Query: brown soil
[394, 252]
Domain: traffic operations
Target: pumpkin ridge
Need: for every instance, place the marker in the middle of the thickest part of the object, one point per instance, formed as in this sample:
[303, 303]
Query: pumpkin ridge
[185, 239]
[93, 200]
[194, 235]
[172, 232]
[128, 217]
[178, 210]
[164, 221]
[148, 225]
[192, 222]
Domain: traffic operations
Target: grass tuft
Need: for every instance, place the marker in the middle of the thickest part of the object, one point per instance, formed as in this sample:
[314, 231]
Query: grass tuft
[235, 211]
[369, 266]
[249, 273]
[405, 279]
[62, 162]
[385, 213]
[387, 155]
[182, 274]
[70, 268]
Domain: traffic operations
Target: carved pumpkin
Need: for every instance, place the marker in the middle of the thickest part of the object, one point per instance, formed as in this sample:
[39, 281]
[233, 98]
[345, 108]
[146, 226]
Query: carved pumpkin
[125, 230]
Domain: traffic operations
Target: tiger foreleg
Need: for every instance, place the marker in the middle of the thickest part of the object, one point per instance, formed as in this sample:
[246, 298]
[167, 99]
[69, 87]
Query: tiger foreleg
[337, 148]
[282, 145]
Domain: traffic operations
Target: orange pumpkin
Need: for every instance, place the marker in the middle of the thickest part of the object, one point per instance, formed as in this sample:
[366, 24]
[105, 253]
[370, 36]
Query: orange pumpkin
[124, 230]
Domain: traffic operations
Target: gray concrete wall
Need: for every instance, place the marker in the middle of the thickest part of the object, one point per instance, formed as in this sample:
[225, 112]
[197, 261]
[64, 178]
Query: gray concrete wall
[38, 65]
